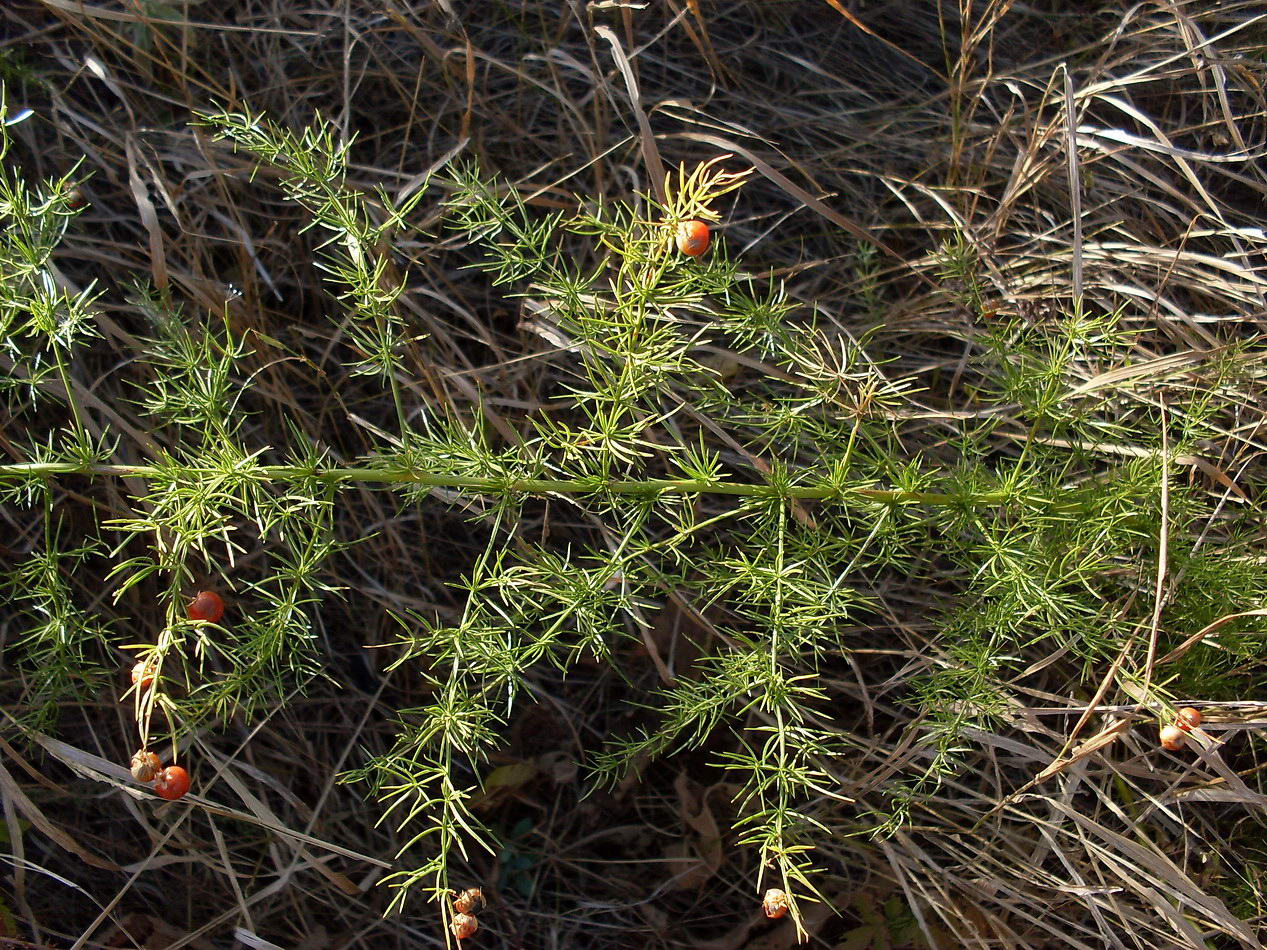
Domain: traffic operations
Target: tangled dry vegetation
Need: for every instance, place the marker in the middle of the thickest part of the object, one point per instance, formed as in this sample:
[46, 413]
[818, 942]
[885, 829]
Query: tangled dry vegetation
[1021, 247]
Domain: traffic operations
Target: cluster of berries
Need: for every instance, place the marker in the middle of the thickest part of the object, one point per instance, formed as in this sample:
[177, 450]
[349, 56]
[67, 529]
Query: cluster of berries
[465, 906]
[1172, 736]
[172, 782]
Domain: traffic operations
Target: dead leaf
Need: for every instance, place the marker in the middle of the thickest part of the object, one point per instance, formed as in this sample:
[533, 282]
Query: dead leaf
[686, 868]
[866, 937]
[14, 793]
[510, 776]
[1104, 737]
[559, 767]
[706, 840]
[502, 782]
[681, 636]
[1204, 632]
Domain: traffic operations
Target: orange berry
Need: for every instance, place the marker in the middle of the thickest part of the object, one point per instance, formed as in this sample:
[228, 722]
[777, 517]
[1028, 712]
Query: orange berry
[692, 238]
[774, 903]
[1188, 718]
[172, 783]
[470, 901]
[145, 766]
[207, 605]
[143, 674]
[464, 925]
[1172, 738]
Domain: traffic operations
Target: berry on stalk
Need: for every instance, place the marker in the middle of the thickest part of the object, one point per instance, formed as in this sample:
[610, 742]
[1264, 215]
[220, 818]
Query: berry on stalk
[172, 783]
[470, 901]
[145, 765]
[1188, 718]
[692, 238]
[464, 925]
[207, 605]
[143, 674]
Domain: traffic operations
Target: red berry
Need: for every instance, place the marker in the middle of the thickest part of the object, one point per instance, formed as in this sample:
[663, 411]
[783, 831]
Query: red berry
[207, 605]
[464, 925]
[1188, 718]
[1171, 738]
[145, 766]
[172, 783]
[692, 238]
[774, 904]
[143, 674]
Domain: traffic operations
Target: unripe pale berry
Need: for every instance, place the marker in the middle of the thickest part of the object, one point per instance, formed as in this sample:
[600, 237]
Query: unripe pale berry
[145, 765]
[464, 925]
[143, 675]
[1171, 738]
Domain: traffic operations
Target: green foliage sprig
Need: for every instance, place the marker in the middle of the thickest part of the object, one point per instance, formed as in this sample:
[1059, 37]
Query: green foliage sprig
[726, 450]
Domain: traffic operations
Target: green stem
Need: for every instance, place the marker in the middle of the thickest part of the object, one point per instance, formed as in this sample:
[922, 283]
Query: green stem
[64, 374]
[529, 486]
